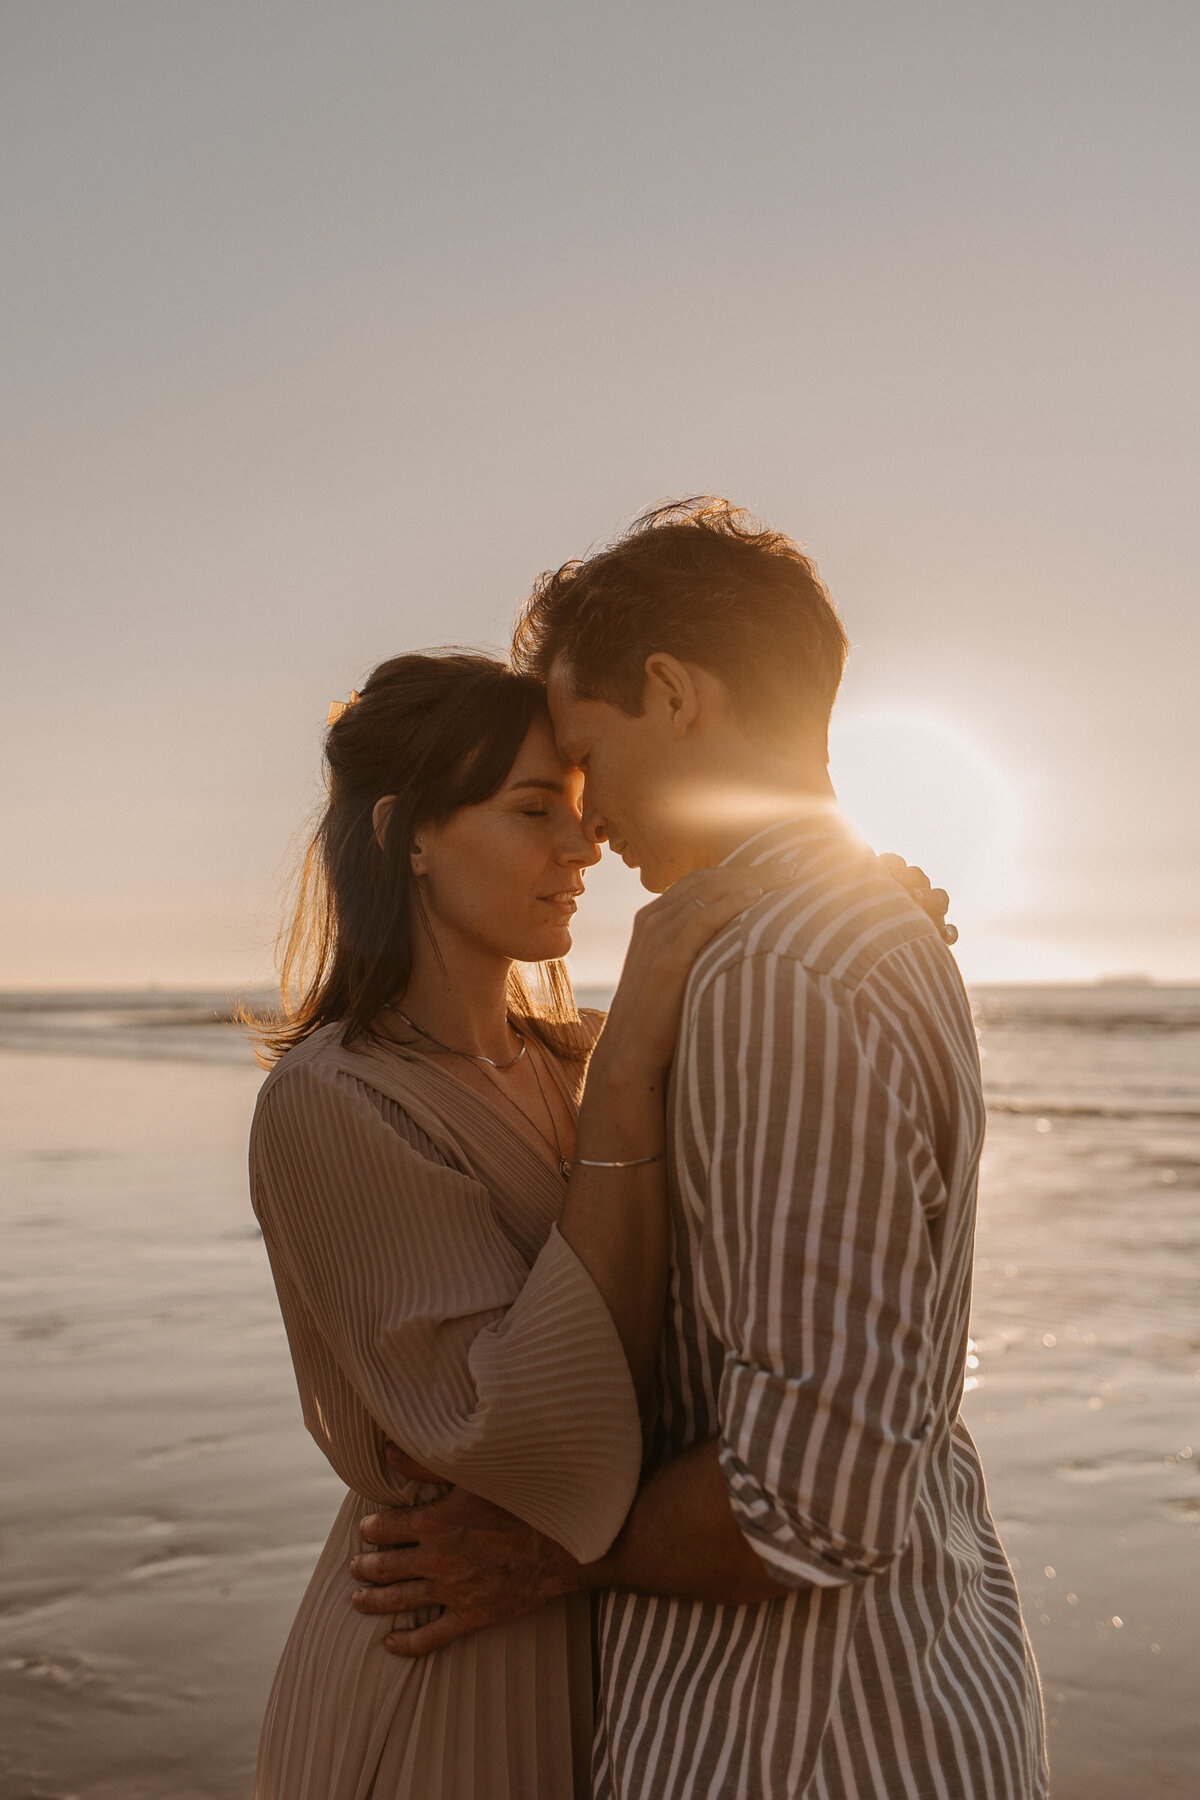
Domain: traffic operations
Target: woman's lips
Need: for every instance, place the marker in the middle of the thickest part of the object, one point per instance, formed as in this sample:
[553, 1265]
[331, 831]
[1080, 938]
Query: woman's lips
[564, 902]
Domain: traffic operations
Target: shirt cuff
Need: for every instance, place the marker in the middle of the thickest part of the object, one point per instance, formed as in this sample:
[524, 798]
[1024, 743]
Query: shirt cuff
[792, 1551]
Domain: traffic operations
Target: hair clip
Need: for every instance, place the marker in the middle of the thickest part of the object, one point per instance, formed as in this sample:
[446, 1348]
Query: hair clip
[338, 707]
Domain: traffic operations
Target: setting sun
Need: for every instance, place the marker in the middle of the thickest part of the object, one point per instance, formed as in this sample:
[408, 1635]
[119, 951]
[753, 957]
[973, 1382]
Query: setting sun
[914, 785]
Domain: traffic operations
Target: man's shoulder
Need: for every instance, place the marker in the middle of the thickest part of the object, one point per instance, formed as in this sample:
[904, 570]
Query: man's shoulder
[841, 919]
[848, 928]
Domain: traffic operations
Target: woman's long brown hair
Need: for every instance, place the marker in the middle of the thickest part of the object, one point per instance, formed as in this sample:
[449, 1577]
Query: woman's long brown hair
[439, 730]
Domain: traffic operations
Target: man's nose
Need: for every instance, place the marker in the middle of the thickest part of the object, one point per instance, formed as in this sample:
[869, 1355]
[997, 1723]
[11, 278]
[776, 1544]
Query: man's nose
[594, 823]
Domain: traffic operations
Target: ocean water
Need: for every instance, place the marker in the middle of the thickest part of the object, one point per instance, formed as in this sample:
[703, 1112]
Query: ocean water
[1091, 1172]
[145, 1024]
[1090, 1186]
[1051, 1052]
[1092, 1160]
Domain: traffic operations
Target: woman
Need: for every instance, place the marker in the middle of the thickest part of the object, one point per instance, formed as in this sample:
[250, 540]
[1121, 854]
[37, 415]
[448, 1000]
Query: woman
[469, 1244]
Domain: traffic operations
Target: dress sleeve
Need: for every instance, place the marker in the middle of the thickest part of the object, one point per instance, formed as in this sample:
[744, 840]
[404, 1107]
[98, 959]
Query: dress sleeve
[507, 1380]
[819, 1263]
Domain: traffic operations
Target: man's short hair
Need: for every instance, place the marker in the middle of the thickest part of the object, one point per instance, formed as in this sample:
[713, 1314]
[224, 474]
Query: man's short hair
[704, 581]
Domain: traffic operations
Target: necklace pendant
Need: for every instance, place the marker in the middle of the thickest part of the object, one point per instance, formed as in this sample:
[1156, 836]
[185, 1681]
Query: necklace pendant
[564, 1168]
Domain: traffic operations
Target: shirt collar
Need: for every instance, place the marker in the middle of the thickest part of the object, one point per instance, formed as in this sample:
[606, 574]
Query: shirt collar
[822, 822]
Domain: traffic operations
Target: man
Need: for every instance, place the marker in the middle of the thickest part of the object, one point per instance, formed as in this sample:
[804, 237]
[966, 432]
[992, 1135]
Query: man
[808, 1597]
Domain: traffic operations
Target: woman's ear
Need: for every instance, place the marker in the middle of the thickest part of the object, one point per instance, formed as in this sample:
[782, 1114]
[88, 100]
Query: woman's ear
[381, 812]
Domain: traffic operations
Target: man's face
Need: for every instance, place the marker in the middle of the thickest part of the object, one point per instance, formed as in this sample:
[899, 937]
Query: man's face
[631, 788]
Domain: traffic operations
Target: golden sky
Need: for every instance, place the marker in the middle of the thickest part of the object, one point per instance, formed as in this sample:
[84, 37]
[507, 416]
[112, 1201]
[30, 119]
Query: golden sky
[330, 326]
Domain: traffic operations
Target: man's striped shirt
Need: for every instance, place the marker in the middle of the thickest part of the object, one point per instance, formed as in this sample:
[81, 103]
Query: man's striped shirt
[826, 1120]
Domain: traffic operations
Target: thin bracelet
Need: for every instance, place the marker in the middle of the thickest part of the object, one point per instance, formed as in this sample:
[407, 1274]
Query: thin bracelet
[630, 1162]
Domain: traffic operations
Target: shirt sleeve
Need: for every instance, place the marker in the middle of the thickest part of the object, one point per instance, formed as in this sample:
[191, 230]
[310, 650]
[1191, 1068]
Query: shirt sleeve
[819, 1267]
[506, 1379]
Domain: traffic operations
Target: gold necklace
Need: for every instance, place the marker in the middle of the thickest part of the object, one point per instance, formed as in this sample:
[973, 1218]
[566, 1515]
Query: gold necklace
[469, 1055]
[564, 1167]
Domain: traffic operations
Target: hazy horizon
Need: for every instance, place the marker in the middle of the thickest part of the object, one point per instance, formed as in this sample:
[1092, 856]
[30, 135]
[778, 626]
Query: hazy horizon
[328, 329]
[584, 989]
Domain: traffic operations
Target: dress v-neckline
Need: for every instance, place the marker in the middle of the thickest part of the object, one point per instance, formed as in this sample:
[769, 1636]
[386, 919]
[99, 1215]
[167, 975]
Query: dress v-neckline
[413, 1059]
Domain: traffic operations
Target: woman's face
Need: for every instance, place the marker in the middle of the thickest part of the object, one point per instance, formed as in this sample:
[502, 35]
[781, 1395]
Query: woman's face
[503, 877]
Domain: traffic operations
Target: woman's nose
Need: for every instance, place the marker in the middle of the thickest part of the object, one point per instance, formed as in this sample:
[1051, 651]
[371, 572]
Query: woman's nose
[579, 849]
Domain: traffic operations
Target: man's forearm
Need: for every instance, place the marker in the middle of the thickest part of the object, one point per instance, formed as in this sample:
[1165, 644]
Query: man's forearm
[483, 1566]
[681, 1539]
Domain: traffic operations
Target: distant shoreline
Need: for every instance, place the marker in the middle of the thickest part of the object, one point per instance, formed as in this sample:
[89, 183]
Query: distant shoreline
[154, 997]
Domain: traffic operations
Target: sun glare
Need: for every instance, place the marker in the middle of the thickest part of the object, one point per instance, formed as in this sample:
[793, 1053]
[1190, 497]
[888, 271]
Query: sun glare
[916, 786]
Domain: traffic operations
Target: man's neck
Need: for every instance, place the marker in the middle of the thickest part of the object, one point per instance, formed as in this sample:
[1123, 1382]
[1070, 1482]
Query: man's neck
[734, 810]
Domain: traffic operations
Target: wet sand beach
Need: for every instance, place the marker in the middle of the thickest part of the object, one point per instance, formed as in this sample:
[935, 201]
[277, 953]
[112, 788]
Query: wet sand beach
[161, 1506]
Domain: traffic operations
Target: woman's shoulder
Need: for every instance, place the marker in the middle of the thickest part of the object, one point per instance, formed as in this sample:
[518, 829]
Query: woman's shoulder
[314, 1061]
[324, 1057]
[324, 1089]
[324, 1071]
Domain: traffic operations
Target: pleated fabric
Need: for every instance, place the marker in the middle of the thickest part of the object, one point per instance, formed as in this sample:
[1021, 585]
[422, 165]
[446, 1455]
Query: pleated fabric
[429, 1299]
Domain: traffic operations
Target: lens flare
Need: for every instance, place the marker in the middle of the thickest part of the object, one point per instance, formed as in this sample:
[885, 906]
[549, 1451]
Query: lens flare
[917, 786]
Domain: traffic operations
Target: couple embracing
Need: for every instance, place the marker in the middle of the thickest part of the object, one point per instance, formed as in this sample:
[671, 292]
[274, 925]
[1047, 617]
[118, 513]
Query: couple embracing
[638, 1340]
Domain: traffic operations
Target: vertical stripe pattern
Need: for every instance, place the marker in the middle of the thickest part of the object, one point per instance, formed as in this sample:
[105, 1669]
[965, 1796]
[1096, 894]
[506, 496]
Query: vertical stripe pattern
[826, 1124]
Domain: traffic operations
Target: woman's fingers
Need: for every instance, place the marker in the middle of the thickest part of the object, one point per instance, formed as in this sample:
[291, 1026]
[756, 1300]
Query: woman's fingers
[933, 901]
[669, 933]
[711, 883]
[707, 900]
[707, 917]
[729, 891]
[907, 874]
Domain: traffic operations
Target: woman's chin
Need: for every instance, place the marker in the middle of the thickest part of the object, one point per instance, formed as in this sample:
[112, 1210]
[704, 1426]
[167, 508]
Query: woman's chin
[547, 946]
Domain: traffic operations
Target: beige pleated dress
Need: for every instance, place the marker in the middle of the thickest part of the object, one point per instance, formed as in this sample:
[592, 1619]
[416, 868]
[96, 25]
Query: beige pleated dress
[429, 1299]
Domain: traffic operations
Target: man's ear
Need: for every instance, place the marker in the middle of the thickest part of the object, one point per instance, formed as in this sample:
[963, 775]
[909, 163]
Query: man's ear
[671, 688]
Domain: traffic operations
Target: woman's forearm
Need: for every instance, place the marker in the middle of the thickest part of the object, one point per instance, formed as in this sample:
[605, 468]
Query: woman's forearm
[615, 1219]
